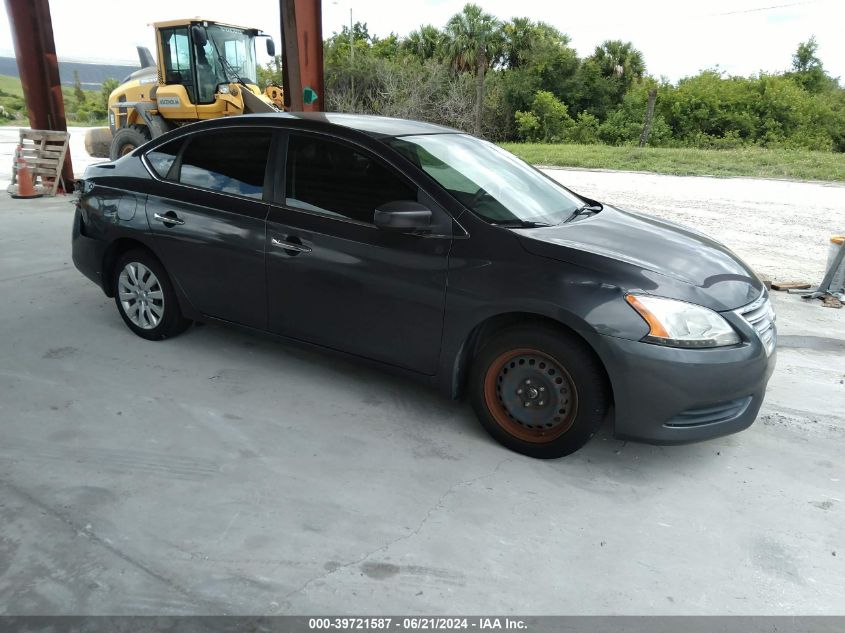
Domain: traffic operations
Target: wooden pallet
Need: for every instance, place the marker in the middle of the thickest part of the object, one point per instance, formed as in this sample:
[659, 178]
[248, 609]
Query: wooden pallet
[44, 152]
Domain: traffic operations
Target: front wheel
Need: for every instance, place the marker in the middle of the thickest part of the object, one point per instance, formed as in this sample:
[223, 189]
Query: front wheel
[539, 391]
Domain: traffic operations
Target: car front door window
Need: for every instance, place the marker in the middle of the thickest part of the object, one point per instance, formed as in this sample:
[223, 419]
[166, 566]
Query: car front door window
[335, 179]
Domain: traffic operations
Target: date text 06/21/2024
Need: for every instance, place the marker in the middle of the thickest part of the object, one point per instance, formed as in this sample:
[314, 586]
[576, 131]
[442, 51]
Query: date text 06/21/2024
[417, 624]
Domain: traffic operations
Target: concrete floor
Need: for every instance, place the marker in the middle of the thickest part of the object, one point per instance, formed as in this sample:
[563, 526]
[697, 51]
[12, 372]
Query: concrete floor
[219, 472]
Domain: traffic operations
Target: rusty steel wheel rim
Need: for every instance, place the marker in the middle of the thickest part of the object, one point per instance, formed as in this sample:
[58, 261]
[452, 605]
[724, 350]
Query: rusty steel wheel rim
[127, 149]
[530, 395]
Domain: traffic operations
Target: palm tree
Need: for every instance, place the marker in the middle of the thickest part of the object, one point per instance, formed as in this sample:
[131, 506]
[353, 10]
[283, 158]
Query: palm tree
[474, 41]
[620, 59]
[520, 35]
[424, 43]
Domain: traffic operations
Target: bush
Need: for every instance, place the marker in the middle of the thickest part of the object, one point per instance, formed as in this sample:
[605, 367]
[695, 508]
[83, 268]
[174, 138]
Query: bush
[624, 125]
[767, 110]
[548, 121]
[585, 131]
[528, 126]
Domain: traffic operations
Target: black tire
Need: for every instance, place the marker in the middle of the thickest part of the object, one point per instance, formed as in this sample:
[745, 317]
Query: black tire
[127, 139]
[539, 391]
[160, 301]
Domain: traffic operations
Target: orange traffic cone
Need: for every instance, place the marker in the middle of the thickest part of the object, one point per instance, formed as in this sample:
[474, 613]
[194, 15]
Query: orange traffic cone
[25, 187]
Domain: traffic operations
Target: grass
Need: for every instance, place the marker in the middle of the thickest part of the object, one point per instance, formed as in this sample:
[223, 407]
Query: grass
[754, 162]
[11, 85]
[11, 97]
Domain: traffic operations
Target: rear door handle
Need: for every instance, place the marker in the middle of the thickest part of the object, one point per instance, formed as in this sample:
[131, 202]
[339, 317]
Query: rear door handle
[290, 246]
[168, 218]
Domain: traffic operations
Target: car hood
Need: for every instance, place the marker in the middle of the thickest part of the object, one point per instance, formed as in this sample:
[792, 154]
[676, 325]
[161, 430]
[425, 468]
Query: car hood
[650, 255]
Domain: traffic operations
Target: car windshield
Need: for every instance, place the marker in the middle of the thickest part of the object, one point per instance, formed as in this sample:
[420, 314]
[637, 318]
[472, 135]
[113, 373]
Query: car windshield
[230, 54]
[489, 181]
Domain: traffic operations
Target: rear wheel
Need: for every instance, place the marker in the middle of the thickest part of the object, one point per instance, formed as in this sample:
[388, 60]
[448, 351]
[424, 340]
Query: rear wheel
[539, 391]
[126, 140]
[145, 297]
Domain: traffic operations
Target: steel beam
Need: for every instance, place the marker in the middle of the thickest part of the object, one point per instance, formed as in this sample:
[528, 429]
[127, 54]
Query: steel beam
[35, 53]
[302, 52]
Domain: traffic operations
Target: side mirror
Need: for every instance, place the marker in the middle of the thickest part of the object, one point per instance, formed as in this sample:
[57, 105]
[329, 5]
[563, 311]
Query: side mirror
[402, 215]
[199, 35]
[271, 47]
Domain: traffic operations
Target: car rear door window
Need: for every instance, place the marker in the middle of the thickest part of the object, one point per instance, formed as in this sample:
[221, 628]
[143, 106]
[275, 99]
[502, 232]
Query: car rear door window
[161, 158]
[335, 179]
[229, 161]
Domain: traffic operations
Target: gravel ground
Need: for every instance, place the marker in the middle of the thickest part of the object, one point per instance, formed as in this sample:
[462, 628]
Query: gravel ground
[780, 227]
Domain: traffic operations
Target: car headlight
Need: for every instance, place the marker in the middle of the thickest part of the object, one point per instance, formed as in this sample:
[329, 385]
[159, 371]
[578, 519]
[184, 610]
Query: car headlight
[680, 324]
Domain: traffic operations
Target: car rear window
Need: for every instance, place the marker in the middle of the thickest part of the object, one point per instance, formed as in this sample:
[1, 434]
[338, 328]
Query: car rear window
[230, 161]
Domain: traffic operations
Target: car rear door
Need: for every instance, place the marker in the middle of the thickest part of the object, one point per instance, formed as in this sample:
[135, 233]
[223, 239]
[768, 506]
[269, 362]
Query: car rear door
[207, 211]
[337, 280]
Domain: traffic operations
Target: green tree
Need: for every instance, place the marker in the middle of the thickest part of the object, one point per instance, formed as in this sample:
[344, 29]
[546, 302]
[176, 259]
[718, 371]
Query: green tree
[619, 63]
[424, 43]
[807, 68]
[594, 92]
[107, 88]
[532, 85]
[474, 41]
[387, 47]
[619, 59]
[526, 41]
[336, 49]
[519, 38]
[271, 73]
[805, 58]
[536, 56]
[78, 92]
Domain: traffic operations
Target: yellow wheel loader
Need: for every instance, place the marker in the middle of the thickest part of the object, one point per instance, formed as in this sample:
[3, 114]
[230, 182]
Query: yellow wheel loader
[205, 70]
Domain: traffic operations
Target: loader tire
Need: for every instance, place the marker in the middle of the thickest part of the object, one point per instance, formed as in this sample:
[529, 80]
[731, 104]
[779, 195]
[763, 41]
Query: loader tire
[98, 142]
[126, 140]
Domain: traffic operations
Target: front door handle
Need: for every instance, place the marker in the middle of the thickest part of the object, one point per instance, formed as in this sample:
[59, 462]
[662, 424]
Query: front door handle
[290, 246]
[168, 218]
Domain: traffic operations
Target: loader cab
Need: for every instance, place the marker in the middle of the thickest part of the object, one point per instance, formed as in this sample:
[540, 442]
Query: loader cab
[204, 58]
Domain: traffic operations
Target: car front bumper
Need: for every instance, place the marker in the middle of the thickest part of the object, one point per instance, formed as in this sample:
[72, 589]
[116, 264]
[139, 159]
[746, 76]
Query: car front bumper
[665, 395]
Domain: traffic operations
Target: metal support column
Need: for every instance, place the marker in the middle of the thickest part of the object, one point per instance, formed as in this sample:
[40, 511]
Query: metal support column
[35, 53]
[302, 54]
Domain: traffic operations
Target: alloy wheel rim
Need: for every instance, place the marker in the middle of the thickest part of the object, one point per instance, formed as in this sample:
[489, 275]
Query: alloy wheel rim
[530, 395]
[141, 295]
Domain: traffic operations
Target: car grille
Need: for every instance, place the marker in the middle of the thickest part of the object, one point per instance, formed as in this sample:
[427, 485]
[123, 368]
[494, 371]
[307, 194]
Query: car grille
[760, 315]
[712, 414]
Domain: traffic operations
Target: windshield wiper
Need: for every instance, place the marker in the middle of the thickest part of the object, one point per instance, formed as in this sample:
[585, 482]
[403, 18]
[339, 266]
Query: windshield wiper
[585, 209]
[224, 63]
[520, 224]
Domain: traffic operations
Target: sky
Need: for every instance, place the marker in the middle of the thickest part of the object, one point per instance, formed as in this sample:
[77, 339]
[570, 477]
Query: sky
[677, 38]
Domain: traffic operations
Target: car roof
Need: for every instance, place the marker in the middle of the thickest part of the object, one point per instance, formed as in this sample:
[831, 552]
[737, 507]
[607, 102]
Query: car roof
[374, 126]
